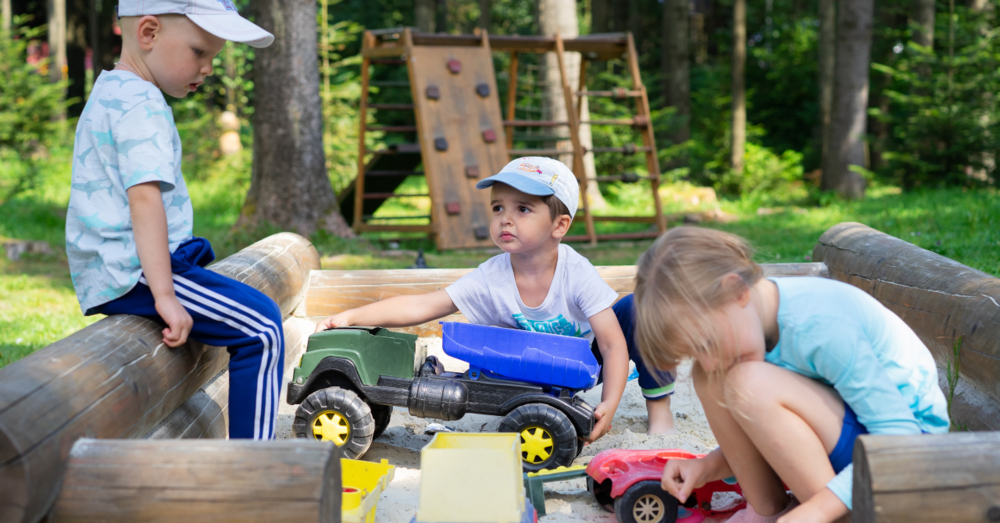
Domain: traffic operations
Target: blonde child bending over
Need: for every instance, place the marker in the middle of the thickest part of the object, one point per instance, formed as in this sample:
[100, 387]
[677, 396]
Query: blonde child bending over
[789, 370]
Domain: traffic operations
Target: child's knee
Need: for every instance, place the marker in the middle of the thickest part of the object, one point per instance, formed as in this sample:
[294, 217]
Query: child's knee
[746, 386]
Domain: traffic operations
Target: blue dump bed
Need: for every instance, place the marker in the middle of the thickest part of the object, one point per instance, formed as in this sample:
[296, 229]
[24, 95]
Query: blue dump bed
[546, 359]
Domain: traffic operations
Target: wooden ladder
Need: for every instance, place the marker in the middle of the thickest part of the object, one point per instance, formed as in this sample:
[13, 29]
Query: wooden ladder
[574, 107]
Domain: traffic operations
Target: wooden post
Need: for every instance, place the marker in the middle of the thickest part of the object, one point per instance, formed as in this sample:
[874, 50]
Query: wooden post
[511, 98]
[367, 42]
[574, 135]
[927, 478]
[132, 481]
[116, 379]
[940, 299]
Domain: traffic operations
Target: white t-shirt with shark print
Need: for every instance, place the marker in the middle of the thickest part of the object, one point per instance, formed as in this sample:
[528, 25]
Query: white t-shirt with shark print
[125, 136]
[489, 296]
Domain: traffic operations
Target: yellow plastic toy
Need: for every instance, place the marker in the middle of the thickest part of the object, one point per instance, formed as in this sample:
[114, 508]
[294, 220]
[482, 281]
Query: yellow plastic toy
[472, 478]
[363, 483]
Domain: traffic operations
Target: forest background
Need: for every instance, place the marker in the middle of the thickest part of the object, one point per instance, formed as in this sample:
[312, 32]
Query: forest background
[923, 168]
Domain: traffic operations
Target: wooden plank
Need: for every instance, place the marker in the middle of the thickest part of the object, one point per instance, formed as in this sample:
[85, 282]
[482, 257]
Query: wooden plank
[927, 478]
[574, 135]
[218, 481]
[331, 292]
[367, 41]
[116, 379]
[460, 116]
[940, 299]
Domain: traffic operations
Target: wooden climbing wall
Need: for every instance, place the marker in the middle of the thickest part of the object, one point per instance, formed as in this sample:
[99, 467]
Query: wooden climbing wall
[460, 129]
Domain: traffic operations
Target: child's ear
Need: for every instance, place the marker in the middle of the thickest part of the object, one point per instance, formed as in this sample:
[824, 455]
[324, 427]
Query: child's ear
[562, 226]
[147, 30]
[733, 280]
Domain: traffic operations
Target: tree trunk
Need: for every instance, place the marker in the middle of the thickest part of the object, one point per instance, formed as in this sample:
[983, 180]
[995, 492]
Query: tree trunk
[94, 36]
[57, 38]
[441, 16]
[6, 16]
[559, 16]
[850, 99]
[484, 14]
[635, 22]
[77, 18]
[289, 186]
[425, 15]
[600, 16]
[739, 136]
[923, 17]
[675, 53]
[827, 58]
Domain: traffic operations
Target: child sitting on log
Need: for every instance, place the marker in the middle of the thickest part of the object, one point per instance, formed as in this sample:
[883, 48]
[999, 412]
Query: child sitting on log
[129, 224]
[789, 370]
[537, 284]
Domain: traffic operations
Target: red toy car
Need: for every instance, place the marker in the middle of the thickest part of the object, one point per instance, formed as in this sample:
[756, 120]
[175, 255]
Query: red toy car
[627, 482]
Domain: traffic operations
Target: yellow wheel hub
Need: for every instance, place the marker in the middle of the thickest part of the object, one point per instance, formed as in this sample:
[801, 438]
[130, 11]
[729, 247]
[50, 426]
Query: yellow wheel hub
[648, 509]
[536, 445]
[331, 425]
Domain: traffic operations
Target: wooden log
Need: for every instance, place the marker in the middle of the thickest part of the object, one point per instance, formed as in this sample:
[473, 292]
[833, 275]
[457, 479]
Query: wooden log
[206, 413]
[940, 299]
[331, 292]
[218, 481]
[116, 379]
[927, 478]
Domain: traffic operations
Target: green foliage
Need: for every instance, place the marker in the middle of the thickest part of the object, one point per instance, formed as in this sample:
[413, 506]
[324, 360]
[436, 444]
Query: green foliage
[340, 92]
[952, 365]
[943, 110]
[30, 106]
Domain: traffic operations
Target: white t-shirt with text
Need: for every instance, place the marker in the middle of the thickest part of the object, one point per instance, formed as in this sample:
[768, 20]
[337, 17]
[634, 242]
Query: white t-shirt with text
[489, 296]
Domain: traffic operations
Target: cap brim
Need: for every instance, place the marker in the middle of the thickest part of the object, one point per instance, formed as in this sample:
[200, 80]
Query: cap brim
[519, 182]
[233, 27]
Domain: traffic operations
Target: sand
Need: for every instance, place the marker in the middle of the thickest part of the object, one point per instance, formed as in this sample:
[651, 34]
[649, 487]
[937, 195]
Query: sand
[564, 501]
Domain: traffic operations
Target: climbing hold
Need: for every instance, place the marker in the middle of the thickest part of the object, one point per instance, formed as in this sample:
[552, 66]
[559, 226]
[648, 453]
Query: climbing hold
[472, 171]
[489, 136]
[441, 144]
[482, 232]
[453, 207]
[433, 93]
[454, 66]
[483, 90]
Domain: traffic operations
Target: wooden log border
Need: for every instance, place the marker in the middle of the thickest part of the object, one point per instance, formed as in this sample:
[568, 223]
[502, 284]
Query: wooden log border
[115, 379]
[939, 298]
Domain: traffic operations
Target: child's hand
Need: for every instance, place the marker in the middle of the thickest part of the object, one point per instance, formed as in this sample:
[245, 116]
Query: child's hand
[603, 424]
[337, 320]
[178, 321]
[682, 476]
[823, 507]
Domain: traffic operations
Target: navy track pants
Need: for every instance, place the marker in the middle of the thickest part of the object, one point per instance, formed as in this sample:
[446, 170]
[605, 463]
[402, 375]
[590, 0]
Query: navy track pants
[229, 314]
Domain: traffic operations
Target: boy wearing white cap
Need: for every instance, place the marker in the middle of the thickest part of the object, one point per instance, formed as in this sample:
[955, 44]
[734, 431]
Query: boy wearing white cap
[537, 284]
[129, 223]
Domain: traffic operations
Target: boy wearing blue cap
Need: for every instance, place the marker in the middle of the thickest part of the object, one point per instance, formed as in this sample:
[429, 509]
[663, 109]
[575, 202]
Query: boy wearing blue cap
[537, 284]
[129, 224]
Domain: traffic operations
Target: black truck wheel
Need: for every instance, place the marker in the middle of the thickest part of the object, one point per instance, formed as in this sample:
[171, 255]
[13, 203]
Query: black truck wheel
[382, 414]
[646, 502]
[548, 438]
[337, 415]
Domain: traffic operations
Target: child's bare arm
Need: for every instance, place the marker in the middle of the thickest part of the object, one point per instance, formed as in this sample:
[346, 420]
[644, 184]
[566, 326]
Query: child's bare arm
[149, 225]
[614, 351]
[398, 311]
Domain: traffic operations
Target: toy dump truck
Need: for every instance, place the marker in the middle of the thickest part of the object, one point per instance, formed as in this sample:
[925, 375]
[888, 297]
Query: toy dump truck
[349, 379]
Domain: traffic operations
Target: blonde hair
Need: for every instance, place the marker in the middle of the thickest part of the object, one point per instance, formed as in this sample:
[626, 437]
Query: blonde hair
[679, 281]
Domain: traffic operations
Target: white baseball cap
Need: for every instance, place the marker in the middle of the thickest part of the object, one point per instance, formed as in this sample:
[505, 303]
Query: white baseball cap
[541, 177]
[218, 17]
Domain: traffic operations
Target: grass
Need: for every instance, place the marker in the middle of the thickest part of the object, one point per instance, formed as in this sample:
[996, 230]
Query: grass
[38, 305]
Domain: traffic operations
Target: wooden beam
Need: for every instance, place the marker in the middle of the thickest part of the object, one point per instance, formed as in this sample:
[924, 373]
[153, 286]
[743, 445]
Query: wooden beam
[112, 481]
[331, 292]
[116, 379]
[927, 478]
[940, 299]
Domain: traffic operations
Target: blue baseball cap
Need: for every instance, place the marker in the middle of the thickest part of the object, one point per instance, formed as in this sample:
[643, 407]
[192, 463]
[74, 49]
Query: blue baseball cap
[539, 176]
